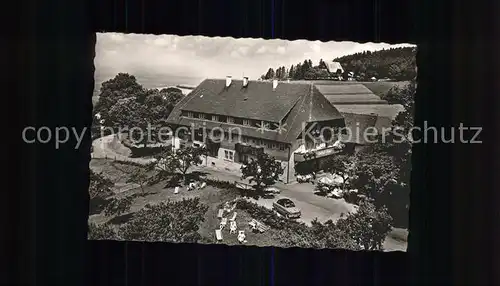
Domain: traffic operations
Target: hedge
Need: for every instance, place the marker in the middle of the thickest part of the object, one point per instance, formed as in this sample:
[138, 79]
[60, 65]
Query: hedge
[267, 216]
[220, 184]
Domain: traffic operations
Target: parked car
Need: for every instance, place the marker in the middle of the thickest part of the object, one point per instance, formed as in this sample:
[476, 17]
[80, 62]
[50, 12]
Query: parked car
[286, 208]
[272, 190]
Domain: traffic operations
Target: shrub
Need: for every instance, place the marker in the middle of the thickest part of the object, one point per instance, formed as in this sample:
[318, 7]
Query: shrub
[118, 206]
[130, 163]
[101, 231]
[220, 184]
[167, 221]
[352, 197]
[144, 151]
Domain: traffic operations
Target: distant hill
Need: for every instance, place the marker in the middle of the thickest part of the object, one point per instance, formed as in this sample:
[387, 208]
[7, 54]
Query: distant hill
[396, 63]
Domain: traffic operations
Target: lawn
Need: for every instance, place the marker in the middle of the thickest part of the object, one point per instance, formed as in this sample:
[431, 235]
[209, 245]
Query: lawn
[381, 88]
[156, 193]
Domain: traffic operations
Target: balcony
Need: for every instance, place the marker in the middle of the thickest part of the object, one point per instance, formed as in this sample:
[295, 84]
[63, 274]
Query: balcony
[317, 153]
[247, 149]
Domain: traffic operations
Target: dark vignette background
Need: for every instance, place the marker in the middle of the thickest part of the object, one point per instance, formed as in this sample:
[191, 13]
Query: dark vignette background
[55, 67]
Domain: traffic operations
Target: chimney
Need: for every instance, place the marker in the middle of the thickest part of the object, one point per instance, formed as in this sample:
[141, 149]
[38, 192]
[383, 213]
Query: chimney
[228, 81]
[275, 83]
[245, 81]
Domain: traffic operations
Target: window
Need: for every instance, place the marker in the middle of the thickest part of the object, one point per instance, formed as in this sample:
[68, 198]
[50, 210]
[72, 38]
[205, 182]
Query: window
[244, 139]
[230, 119]
[201, 115]
[190, 114]
[229, 155]
[215, 118]
[246, 122]
[282, 147]
[268, 145]
[274, 146]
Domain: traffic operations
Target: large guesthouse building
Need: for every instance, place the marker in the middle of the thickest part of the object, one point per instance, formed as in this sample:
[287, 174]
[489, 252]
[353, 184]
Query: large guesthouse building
[237, 119]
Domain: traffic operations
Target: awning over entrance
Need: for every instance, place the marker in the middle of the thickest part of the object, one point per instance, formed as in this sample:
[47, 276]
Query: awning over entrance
[300, 157]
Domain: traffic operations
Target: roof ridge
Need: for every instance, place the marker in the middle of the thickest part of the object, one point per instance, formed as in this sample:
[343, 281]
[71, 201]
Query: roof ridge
[310, 95]
[296, 114]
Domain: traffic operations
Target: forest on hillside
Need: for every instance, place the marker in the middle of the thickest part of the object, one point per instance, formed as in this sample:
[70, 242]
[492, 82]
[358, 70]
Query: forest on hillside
[396, 64]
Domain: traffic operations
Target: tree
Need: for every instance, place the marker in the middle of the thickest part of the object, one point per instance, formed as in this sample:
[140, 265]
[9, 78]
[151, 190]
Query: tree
[148, 108]
[298, 71]
[140, 176]
[373, 174]
[341, 165]
[278, 73]
[264, 171]
[118, 205]
[270, 73]
[167, 221]
[368, 226]
[327, 235]
[121, 86]
[291, 72]
[100, 186]
[100, 191]
[170, 161]
[322, 64]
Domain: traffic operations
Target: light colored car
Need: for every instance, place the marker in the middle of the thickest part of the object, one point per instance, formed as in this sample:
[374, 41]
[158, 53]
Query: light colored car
[287, 208]
[272, 190]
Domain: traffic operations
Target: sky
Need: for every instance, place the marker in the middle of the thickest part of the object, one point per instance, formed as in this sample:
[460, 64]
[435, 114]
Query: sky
[210, 57]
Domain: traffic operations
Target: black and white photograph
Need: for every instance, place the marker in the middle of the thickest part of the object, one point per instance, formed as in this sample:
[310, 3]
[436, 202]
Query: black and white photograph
[257, 142]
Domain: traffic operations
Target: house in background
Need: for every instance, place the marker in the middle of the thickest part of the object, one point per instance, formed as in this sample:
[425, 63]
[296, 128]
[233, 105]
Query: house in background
[227, 116]
[335, 69]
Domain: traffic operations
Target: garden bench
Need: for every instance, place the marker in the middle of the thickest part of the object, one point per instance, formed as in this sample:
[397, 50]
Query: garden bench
[218, 234]
[220, 213]
[256, 225]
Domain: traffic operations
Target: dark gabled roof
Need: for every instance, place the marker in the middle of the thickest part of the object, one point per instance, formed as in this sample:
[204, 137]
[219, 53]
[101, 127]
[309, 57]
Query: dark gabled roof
[311, 108]
[256, 101]
[294, 103]
[349, 94]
